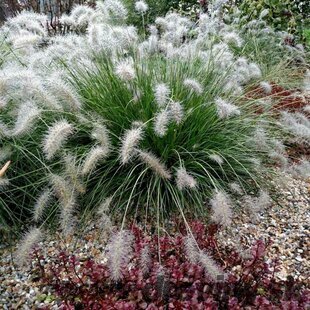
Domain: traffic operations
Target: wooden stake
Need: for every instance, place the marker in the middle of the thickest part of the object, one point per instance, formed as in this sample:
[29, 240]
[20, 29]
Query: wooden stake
[4, 168]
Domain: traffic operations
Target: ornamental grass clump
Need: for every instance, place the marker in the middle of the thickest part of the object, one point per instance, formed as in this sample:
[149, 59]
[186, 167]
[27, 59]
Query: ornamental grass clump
[157, 123]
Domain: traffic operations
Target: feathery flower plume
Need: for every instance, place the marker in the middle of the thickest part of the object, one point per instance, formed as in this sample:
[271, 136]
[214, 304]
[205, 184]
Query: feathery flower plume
[176, 111]
[233, 38]
[101, 134]
[104, 206]
[95, 155]
[56, 137]
[185, 180]
[217, 5]
[298, 124]
[26, 41]
[41, 204]
[162, 93]
[236, 188]
[161, 123]
[302, 169]
[62, 189]
[193, 85]
[233, 86]
[153, 30]
[119, 253]
[280, 158]
[26, 245]
[263, 200]
[47, 99]
[278, 146]
[145, 259]
[162, 22]
[67, 20]
[3, 84]
[130, 141]
[72, 172]
[154, 163]
[67, 217]
[162, 283]
[104, 221]
[125, 70]
[221, 208]
[65, 92]
[137, 124]
[141, 7]
[260, 139]
[115, 9]
[267, 88]
[27, 114]
[191, 249]
[254, 71]
[257, 163]
[226, 109]
[216, 158]
[257, 204]
[211, 267]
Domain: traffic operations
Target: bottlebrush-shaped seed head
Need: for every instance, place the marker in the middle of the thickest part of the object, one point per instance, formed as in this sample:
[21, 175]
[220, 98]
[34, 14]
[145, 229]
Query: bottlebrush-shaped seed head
[41, 204]
[130, 141]
[176, 111]
[119, 250]
[56, 137]
[162, 94]
[217, 158]
[141, 7]
[27, 114]
[26, 245]
[154, 163]
[267, 88]
[145, 259]
[221, 209]
[96, 154]
[125, 70]
[161, 123]
[191, 249]
[210, 267]
[184, 179]
[226, 109]
[194, 86]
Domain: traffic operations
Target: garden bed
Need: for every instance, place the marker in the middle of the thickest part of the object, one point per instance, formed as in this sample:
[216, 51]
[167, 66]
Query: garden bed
[284, 226]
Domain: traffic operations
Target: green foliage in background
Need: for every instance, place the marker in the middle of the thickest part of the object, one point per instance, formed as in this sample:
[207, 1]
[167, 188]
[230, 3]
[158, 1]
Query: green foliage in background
[284, 15]
[159, 8]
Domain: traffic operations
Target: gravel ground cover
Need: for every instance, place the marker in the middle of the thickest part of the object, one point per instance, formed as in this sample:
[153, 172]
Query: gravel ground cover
[285, 223]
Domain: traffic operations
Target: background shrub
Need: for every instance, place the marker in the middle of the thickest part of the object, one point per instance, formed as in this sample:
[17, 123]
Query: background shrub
[290, 16]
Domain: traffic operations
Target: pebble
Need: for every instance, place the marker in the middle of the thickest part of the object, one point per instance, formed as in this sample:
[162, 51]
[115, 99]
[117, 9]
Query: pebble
[285, 223]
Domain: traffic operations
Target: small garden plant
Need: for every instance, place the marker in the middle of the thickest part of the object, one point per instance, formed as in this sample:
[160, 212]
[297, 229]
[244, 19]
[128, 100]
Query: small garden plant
[185, 278]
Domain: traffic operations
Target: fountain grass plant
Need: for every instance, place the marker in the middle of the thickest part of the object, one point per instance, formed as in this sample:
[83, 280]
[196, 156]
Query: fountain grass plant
[147, 126]
[188, 132]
